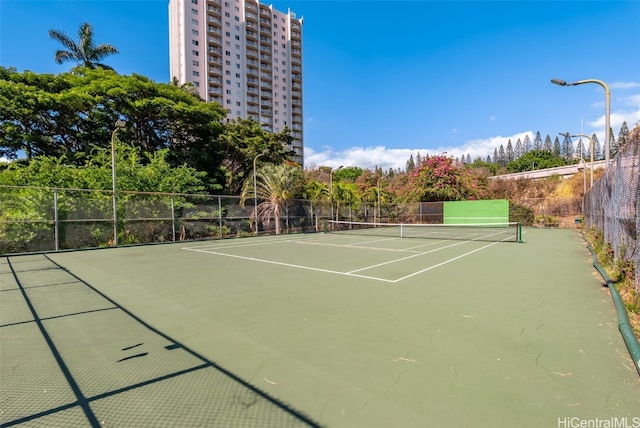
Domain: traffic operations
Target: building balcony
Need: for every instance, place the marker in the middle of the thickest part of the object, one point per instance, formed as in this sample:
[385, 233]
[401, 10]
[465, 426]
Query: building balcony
[251, 17]
[214, 70]
[251, 54]
[214, 11]
[251, 8]
[214, 21]
[213, 30]
[265, 12]
[214, 41]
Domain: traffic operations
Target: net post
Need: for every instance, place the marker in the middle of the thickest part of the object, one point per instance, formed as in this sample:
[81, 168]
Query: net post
[401, 231]
[325, 226]
[519, 233]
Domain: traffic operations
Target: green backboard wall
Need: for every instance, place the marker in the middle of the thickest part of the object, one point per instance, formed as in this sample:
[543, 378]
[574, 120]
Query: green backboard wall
[469, 212]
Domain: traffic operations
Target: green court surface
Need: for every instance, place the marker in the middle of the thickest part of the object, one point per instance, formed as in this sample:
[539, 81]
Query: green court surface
[314, 329]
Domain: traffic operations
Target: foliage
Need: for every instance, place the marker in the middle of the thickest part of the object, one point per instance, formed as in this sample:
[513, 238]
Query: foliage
[349, 173]
[521, 214]
[36, 204]
[436, 179]
[68, 114]
[535, 159]
[84, 51]
[240, 142]
[275, 185]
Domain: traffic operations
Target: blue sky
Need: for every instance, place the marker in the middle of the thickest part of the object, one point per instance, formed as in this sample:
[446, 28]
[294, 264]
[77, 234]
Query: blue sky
[386, 79]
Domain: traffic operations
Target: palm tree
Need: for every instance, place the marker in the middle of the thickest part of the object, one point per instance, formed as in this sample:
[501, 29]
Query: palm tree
[85, 51]
[316, 192]
[275, 185]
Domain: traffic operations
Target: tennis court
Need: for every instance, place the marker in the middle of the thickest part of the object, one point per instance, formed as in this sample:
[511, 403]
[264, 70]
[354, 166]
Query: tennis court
[339, 330]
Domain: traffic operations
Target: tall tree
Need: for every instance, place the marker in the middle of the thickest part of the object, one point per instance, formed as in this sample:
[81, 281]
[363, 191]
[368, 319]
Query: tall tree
[557, 147]
[275, 185]
[411, 165]
[597, 149]
[623, 137]
[547, 145]
[580, 150]
[537, 142]
[518, 150]
[84, 51]
[567, 147]
[526, 144]
[501, 156]
[509, 152]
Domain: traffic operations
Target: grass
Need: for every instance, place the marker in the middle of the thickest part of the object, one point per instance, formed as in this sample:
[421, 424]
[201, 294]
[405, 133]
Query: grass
[621, 272]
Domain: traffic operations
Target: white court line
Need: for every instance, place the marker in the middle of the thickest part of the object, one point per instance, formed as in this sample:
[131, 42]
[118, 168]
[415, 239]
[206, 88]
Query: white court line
[444, 263]
[290, 265]
[321, 244]
[352, 273]
[228, 244]
[408, 257]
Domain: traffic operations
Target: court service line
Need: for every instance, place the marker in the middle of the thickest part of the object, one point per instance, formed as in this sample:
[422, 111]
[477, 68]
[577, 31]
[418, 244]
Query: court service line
[290, 265]
[444, 263]
[323, 244]
[408, 257]
[263, 241]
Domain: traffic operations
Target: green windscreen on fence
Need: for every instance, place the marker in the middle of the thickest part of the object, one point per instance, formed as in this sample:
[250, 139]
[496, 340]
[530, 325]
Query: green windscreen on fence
[476, 212]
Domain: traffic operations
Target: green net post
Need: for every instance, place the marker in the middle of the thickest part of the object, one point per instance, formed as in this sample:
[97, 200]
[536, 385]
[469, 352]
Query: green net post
[325, 226]
[519, 233]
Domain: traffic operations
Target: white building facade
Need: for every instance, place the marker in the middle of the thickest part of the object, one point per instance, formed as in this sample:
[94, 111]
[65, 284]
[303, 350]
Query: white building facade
[244, 55]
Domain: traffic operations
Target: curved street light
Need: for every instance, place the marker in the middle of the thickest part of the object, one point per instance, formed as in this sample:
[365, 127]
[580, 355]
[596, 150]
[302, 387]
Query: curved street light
[607, 116]
[331, 186]
[118, 125]
[255, 188]
[567, 135]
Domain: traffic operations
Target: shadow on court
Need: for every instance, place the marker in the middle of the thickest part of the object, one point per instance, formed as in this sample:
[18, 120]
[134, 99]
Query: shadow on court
[345, 331]
[73, 357]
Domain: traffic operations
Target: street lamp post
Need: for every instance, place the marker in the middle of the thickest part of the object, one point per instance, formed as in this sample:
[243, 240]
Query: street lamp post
[255, 189]
[118, 125]
[590, 149]
[331, 187]
[607, 116]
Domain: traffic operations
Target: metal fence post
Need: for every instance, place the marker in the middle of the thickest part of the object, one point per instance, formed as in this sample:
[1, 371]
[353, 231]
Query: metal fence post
[220, 217]
[55, 219]
[173, 219]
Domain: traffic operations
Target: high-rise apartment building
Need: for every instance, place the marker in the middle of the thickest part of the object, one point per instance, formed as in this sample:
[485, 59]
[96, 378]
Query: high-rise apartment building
[244, 55]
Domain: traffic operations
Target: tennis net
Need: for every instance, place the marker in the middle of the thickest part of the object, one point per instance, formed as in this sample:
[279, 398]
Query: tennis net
[492, 232]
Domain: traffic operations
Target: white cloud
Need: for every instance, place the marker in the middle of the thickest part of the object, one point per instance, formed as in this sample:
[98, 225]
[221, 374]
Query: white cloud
[624, 85]
[492, 118]
[4, 160]
[385, 158]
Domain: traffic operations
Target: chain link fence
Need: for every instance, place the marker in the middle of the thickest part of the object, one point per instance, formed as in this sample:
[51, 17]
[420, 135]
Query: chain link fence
[611, 206]
[45, 219]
